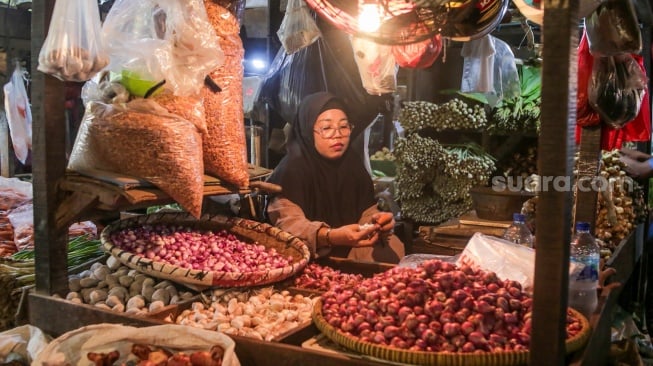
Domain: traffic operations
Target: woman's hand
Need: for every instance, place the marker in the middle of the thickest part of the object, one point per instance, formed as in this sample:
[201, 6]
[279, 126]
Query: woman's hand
[386, 222]
[354, 235]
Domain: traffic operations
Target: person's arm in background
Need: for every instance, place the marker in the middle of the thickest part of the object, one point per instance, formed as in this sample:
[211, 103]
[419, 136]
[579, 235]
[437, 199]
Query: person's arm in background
[639, 165]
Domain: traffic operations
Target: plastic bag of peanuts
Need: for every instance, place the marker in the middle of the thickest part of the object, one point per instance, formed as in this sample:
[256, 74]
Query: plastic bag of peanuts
[143, 139]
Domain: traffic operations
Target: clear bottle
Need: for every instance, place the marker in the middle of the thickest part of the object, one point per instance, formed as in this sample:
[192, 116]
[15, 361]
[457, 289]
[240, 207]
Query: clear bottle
[518, 232]
[584, 251]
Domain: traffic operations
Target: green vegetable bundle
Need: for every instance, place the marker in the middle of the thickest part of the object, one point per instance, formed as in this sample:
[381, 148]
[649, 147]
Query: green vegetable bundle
[522, 113]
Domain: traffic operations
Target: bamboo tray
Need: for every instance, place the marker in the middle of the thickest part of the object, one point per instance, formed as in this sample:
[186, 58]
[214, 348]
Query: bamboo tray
[246, 230]
[439, 358]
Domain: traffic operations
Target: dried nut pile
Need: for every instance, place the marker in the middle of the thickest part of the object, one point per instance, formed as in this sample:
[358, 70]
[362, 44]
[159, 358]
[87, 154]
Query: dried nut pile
[616, 214]
[115, 287]
[263, 314]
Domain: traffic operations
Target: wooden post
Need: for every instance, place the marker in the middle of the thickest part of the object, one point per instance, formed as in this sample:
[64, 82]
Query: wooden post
[589, 156]
[555, 162]
[49, 163]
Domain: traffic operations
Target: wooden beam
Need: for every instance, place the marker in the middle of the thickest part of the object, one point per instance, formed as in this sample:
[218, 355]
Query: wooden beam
[48, 163]
[555, 162]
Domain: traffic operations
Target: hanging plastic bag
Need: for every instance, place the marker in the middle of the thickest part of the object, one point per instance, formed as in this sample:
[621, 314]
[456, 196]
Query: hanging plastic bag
[613, 29]
[638, 130]
[19, 113]
[74, 49]
[489, 67]
[298, 28]
[165, 40]
[376, 66]
[420, 55]
[616, 89]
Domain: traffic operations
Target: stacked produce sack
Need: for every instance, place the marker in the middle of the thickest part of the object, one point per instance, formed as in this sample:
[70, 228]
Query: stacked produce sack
[153, 117]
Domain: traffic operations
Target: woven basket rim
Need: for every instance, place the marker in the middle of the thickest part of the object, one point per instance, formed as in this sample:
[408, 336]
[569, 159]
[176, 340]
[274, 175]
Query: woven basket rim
[198, 278]
[440, 358]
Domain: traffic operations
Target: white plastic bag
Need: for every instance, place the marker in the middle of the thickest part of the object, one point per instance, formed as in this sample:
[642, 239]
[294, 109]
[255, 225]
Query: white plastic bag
[74, 49]
[155, 40]
[26, 340]
[298, 29]
[376, 65]
[72, 347]
[19, 114]
[508, 260]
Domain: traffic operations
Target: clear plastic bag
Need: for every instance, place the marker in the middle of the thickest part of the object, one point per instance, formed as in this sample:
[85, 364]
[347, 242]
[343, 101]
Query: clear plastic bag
[489, 67]
[74, 49]
[151, 41]
[19, 113]
[376, 65]
[298, 28]
[613, 29]
[617, 88]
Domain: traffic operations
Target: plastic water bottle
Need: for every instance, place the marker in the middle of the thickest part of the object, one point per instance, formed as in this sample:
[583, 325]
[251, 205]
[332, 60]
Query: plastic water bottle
[584, 251]
[518, 232]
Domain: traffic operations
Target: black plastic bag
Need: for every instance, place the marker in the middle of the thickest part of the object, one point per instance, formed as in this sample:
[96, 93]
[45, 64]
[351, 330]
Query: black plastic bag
[326, 65]
[616, 89]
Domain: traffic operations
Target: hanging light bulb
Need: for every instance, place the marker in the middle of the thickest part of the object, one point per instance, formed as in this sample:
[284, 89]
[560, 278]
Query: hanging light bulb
[369, 16]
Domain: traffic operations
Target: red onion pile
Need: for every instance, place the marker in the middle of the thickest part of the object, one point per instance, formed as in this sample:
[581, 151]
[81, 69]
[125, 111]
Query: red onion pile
[201, 250]
[321, 278]
[435, 307]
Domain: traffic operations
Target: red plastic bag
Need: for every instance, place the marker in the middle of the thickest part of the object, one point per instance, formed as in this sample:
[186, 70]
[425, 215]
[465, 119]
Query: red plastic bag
[420, 55]
[585, 114]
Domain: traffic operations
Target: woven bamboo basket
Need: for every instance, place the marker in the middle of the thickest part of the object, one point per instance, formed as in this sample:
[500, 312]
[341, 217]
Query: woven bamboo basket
[507, 358]
[246, 230]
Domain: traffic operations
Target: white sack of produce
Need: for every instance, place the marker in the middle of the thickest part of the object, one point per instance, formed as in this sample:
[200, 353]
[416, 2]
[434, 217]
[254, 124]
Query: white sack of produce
[23, 343]
[508, 260]
[73, 347]
[143, 139]
[225, 148]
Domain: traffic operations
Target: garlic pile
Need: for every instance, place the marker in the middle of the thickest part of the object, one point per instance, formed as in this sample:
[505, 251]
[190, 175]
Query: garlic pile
[264, 314]
[113, 286]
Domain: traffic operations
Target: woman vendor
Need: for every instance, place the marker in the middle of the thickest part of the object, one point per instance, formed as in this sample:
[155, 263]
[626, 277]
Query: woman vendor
[328, 195]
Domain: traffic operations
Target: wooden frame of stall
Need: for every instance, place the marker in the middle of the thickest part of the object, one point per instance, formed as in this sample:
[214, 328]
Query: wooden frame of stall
[56, 204]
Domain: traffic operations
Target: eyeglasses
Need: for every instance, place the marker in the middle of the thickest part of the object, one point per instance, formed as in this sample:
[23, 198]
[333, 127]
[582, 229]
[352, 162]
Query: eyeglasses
[329, 132]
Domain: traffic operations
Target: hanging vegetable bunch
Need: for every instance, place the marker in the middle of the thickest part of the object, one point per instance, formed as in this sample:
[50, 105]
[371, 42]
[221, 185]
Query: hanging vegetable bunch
[522, 113]
[433, 180]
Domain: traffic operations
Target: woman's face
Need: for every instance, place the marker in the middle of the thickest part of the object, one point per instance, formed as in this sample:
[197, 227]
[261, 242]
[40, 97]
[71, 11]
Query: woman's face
[331, 133]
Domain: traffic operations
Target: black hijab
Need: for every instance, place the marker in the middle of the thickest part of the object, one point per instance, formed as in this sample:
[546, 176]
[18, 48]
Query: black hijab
[333, 191]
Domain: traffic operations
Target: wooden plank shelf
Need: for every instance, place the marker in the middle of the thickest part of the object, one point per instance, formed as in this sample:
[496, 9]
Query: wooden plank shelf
[99, 190]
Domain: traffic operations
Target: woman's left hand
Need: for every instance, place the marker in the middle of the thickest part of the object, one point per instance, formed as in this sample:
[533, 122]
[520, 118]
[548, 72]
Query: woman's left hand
[385, 220]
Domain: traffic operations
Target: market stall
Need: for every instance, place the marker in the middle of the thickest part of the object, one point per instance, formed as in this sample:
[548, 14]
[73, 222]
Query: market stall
[317, 329]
